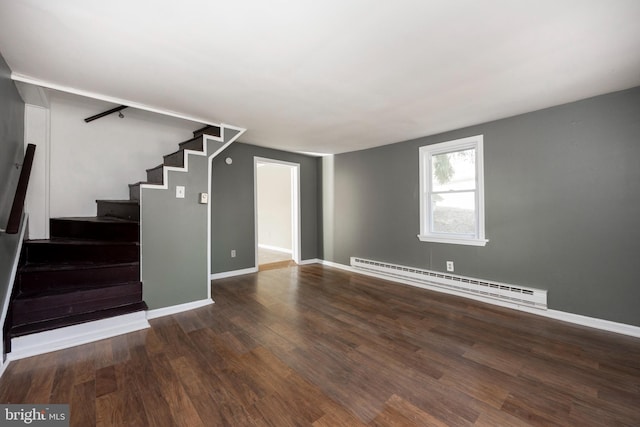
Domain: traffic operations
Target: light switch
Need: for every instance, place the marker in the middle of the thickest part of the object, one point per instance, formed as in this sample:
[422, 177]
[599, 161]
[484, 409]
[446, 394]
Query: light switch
[179, 192]
[204, 198]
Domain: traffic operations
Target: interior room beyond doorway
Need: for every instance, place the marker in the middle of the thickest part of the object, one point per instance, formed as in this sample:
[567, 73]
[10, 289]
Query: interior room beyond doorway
[276, 212]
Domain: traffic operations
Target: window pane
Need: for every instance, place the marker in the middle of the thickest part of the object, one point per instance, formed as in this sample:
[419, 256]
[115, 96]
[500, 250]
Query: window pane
[454, 213]
[454, 171]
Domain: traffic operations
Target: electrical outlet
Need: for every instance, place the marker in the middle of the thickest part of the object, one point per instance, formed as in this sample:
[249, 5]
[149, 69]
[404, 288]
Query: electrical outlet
[179, 192]
[233, 253]
[449, 265]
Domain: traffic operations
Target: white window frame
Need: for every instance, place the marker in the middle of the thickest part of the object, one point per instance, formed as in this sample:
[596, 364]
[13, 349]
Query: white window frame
[426, 153]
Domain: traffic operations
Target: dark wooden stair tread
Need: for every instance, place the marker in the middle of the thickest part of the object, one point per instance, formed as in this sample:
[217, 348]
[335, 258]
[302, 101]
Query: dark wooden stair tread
[74, 250]
[210, 130]
[75, 241]
[59, 266]
[58, 276]
[124, 209]
[177, 152]
[31, 328]
[156, 174]
[155, 167]
[70, 291]
[124, 202]
[52, 305]
[192, 141]
[105, 227]
[175, 159]
[96, 219]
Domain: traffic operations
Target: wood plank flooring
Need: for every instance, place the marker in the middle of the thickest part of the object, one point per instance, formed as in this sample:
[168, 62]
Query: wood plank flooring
[315, 346]
[268, 256]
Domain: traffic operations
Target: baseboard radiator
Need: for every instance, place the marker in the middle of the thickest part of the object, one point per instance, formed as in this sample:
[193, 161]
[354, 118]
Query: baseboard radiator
[504, 292]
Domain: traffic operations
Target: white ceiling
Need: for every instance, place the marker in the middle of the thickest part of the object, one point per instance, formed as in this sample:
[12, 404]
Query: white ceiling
[328, 75]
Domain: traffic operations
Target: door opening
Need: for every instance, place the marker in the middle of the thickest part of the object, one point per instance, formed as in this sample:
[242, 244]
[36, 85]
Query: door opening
[277, 212]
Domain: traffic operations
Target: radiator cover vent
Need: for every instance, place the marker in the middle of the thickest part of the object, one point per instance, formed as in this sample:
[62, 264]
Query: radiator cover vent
[500, 291]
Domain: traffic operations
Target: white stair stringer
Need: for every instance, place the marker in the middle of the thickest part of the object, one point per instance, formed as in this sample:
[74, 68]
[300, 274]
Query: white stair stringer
[188, 153]
[212, 147]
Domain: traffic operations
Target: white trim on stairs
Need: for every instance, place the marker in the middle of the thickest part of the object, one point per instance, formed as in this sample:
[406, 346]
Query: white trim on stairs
[165, 185]
[71, 336]
[209, 174]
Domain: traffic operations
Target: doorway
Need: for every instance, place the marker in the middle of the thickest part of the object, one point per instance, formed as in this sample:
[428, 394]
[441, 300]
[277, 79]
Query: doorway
[277, 212]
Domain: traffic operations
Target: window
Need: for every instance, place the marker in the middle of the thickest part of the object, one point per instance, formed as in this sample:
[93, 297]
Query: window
[452, 192]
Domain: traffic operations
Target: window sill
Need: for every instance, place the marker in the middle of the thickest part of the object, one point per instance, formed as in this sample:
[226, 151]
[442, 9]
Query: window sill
[453, 240]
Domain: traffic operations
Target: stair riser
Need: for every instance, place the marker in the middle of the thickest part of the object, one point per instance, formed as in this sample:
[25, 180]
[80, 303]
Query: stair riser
[108, 231]
[57, 252]
[194, 144]
[56, 306]
[35, 327]
[42, 281]
[155, 176]
[62, 299]
[128, 211]
[208, 130]
[134, 192]
[176, 159]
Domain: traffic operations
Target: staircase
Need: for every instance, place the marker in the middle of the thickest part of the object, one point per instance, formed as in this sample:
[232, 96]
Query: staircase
[90, 267]
[155, 175]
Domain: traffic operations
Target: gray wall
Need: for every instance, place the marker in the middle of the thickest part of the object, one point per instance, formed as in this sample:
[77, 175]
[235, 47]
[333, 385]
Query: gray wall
[11, 152]
[232, 204]
[11, 140]
[562, 191]
[174, 237]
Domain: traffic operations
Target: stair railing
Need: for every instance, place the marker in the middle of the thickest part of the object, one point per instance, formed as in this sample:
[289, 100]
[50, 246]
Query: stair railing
[106, 113]
[13, 224]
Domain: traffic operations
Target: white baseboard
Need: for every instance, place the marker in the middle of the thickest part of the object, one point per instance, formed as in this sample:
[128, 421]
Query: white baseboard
[3, 367]
[594, 322]
[70, 336]
[225, 274]
[275, 248]
[337, 265]
[310, 261]
[577, 319]
[165, 311]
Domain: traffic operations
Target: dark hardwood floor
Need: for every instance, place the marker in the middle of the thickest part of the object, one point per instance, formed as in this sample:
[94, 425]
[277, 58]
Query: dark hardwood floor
[312, 345]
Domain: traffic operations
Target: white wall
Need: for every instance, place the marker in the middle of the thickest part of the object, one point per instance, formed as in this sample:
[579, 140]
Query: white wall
[274, 205]
[36, 131]
[98, 160]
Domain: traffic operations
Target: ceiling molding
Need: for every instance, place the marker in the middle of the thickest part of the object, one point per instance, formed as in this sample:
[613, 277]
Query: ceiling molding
[101, 97]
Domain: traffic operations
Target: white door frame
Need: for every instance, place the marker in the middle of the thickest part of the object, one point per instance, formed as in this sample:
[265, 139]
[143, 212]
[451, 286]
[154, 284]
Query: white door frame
[295, 204]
